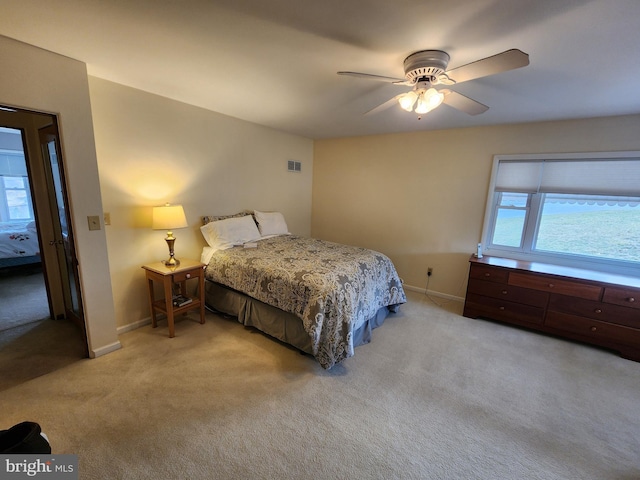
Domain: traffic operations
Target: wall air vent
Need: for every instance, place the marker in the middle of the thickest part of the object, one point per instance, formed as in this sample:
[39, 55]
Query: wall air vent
[293, 166]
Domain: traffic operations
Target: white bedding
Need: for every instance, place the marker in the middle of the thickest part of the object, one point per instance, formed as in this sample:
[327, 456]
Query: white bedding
[18, 239]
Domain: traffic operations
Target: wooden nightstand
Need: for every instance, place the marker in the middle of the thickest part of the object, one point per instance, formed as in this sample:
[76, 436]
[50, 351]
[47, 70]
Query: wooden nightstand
[169, 277]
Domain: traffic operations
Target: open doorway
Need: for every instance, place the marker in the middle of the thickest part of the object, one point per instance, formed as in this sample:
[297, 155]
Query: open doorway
[41, 322]
[22, 289]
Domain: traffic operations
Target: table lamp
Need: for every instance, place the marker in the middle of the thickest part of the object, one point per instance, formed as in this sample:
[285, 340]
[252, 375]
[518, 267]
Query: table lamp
[167, 218]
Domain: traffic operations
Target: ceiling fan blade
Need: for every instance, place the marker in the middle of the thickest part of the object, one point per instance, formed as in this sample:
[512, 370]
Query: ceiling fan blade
[502, 62]
[462, 103]
[385, 105]
[370, 76]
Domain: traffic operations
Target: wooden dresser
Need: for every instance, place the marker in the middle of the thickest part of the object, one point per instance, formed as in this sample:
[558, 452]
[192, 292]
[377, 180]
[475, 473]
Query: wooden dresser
[583, 305]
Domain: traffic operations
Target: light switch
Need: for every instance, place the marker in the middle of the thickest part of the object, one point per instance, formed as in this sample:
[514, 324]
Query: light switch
[107, 218]
[94, 222]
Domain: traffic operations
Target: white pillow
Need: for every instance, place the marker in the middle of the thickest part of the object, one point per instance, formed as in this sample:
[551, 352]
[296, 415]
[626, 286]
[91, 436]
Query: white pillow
[225, 234]
[271, 223]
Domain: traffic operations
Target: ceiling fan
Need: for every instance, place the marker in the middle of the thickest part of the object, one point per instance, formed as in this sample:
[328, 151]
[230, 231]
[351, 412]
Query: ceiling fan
[427, 68]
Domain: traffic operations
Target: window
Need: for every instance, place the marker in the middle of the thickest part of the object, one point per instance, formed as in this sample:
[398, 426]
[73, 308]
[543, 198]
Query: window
[576, 210]
[17, 198]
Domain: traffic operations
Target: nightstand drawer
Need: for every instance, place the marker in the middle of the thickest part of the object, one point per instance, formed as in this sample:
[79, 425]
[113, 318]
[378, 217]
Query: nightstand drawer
[555, 285]
[182, 276]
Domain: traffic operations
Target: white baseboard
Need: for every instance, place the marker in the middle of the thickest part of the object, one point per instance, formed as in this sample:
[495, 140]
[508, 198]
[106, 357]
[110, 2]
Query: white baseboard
[133, 326]
[147, 321]
[433, 293]
[117, 345]
[112, 347]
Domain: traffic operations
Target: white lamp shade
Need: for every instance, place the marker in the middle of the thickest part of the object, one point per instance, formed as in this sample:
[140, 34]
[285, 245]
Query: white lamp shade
[429, 100]
[407, 100]
[168, 217]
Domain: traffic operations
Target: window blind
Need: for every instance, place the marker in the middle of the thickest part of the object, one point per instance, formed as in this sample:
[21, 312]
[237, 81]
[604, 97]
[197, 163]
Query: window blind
[12, 164]
[619, 177]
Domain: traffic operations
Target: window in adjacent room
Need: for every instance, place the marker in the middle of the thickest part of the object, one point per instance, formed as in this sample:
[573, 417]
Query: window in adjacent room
[15, 196]
[577, 210]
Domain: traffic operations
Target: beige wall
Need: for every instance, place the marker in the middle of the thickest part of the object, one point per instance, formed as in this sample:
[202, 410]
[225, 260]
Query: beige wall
[153, 150]
[420, 197]
[35, 79]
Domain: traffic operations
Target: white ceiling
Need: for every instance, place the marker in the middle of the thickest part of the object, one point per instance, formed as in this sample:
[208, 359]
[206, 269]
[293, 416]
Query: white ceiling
[274, 62]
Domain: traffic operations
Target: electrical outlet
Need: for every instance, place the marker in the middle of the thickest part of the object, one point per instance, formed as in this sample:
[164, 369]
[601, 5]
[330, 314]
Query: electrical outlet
[429, 271]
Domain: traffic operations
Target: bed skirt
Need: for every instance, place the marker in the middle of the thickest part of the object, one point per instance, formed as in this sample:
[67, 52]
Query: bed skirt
[277, 323]
[19, 261]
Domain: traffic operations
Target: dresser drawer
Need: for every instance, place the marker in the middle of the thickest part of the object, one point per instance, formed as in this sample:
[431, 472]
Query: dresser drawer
[627, 297]
[491, 274]
[600, 332]
[503, 310]
[596, 310]
[509, 293]
[555, 285]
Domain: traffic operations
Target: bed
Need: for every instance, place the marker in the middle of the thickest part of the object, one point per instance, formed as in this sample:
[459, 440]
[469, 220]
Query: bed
[321, 297]
[18, 244]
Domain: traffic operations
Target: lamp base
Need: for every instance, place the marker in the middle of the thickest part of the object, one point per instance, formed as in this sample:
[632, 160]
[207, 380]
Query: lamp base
[173, 261]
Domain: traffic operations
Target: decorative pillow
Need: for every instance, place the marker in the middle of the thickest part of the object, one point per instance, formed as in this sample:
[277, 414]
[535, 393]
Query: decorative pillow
[271, 223]
[226, 233]
[214, 218]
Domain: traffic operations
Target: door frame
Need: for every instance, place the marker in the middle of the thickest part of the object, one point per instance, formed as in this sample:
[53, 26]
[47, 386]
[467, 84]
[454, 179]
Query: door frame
[30, 122]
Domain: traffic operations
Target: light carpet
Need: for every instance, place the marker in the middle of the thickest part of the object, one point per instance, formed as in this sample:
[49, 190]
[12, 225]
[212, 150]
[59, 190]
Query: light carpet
[38, 348]
[23, 297]
[434, 396]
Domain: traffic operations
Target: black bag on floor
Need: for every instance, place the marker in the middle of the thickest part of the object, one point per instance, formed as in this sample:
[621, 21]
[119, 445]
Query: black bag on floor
[25, 437]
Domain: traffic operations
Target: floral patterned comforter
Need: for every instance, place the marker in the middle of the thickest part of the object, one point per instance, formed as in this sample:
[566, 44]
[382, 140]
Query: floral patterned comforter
[333, 288]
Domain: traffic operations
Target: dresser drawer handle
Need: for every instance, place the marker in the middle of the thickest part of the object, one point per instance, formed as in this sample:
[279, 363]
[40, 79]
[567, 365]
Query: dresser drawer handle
[188, 275]
[501, 308]
[504, 292]
[593, 329]
[551, 285]
[487, 274]
[631, 299]
[597, 310]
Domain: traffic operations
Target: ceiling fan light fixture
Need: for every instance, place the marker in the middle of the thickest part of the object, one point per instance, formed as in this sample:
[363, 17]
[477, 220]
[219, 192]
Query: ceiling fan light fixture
[429, 100]
[407, 100]
[426, 68]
